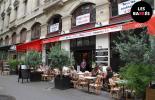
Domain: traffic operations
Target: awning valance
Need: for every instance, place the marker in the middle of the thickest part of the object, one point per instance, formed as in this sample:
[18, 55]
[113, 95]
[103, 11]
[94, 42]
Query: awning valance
[35, 45]
[96, 31]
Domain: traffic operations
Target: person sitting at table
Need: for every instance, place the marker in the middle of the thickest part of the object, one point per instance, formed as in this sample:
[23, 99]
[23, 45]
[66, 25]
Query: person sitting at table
[96, 71]
[109, 73]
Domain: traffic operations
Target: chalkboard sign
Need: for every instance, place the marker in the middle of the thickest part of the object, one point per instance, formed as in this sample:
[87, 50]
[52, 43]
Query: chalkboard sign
[102, 56]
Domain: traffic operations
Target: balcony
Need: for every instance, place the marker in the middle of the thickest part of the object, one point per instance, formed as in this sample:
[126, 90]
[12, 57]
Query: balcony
[52, 3]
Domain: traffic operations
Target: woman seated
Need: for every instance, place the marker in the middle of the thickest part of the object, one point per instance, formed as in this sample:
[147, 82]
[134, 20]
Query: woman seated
[96, 71]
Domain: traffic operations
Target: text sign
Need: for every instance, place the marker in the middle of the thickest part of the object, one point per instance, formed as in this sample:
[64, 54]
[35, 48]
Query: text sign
[125, 7]
[82, 19]
[54, 27]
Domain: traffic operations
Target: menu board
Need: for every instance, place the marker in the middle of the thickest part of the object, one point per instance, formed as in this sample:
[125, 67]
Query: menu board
[102, 56]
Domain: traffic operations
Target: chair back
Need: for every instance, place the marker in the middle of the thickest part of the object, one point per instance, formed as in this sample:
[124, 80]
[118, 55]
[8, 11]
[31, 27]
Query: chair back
[99, 80]
[25, 73]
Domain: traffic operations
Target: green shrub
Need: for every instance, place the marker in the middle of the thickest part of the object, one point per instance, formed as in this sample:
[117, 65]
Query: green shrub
[138, 75]
[59, 57]
[13, 64]
[33, 59]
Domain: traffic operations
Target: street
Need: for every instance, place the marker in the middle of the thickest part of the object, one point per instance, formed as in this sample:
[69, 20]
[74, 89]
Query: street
[43, 91]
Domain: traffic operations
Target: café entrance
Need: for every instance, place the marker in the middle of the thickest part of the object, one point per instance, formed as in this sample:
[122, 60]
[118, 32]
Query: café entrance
[83, 48]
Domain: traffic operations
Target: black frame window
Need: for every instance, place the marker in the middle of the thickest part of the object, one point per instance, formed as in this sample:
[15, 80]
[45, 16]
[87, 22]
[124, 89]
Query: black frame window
[6, 40]
[88, 8]
[54, 20]
[14, 38]
[36, 31]
[23, 35]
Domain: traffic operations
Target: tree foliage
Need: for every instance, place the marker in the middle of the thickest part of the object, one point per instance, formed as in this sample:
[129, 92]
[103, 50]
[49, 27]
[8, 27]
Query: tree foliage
[138, 76]
[59, 57]
[133, 47]
[33, 58]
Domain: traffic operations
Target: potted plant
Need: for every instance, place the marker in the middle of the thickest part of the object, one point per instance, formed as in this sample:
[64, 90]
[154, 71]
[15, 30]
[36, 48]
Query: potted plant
[33, 59]
[138, 77]
[13, 63]
[59, 58]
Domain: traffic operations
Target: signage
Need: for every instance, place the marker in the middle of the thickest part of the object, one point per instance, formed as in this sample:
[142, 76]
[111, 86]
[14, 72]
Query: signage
[13, 47]
[54, 27]
[141, 12]
[82, 19]
[125, 7]
[92, 33]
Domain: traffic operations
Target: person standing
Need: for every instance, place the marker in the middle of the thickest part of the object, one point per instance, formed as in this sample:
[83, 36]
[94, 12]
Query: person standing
[83, 65]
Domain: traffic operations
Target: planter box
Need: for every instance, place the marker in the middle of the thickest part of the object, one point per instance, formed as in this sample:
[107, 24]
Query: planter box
[62, 83]
[35, 76]
[150, 94]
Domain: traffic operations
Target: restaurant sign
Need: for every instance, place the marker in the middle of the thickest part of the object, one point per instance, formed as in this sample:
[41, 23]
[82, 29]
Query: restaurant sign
[82, 19]
[125, 7]
[92, 33]
[54, 27]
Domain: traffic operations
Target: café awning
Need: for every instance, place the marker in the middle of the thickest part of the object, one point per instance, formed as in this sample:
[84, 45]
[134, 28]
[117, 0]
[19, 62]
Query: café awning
[35, 45]
[96, 31]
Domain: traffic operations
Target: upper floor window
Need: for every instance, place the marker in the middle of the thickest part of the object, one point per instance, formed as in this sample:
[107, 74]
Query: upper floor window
[14, 37]
[23, 35]
[1, 41]
[120, 8]
[84, 14]
[7, 40]
[35, 31]
[55, 24]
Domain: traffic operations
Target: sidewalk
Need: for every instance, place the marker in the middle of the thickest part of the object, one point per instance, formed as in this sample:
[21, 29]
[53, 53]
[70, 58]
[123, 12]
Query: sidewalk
[43, 91]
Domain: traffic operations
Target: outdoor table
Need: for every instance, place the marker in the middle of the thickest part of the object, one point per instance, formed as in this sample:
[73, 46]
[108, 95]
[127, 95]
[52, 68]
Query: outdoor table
[80, 73]
[123, 83]
[89, 78]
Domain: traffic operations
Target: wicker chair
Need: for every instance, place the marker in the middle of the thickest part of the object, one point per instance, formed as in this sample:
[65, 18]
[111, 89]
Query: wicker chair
[97, 85]
[114, 89]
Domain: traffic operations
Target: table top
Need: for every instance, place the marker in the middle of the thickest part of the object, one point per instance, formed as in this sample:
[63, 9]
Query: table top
[80, 73]
[121, 81]
[89, 77]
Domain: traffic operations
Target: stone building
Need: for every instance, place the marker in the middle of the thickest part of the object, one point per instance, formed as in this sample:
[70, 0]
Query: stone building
[74, 24]
[24, 21]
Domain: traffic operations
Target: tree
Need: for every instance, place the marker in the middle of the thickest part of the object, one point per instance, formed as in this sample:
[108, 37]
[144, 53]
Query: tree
[133, 46]
[59, 57]
[33, 59]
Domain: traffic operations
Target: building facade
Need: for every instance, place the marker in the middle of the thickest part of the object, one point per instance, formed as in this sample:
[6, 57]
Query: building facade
[24, 21]
[29, 21]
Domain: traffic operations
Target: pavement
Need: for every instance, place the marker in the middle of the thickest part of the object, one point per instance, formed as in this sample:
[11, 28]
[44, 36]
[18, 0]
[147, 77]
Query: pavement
[43, 91]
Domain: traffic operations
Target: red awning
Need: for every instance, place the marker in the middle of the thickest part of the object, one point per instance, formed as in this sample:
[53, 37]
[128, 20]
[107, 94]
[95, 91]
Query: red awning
[35, 45]
[96, 31]
[54, 39]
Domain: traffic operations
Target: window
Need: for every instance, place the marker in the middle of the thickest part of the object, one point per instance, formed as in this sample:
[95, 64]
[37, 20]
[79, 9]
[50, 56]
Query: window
[35, 31]
[6, 40]
[83, 42]
[1, 42]
[55, 24]
[23, 35]
[114, 6]
[86, 11]
[14, 37]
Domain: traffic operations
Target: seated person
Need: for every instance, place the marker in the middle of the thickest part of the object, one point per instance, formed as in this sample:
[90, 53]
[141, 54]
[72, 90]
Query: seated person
[96, 71]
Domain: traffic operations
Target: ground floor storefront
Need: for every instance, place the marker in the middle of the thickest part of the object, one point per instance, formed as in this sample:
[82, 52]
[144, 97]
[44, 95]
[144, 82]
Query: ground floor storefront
[93, 45]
